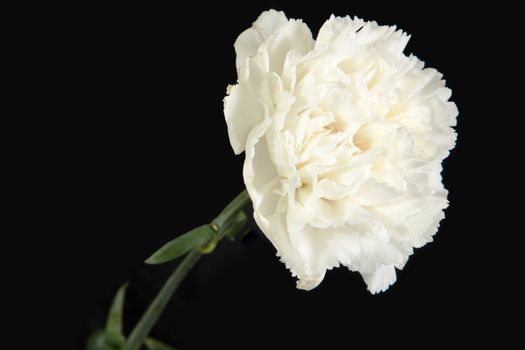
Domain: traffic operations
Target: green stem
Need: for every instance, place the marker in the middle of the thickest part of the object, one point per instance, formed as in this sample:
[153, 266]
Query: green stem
[152, 314]
[231, 209]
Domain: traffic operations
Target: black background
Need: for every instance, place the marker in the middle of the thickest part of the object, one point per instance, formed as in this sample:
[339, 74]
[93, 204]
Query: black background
[151, 159]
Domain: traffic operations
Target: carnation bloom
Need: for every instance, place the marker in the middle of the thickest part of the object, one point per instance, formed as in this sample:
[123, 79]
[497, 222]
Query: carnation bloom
[344, 138]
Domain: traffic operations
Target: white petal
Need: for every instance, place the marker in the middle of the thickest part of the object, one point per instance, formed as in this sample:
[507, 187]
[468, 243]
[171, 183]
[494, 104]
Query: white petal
[294, 36]
[325, 248]
[309, 283]
[249, 41]
[260, 177]
[373, 193]
[381, 279]
[337, 29]
[242, 112]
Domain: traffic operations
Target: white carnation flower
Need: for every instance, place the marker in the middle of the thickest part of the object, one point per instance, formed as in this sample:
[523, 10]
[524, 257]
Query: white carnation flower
[344, 138]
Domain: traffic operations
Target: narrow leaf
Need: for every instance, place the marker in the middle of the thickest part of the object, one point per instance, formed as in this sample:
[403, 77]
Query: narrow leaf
[97, 341]
[182, 245]
[153, 344]
[114, 335]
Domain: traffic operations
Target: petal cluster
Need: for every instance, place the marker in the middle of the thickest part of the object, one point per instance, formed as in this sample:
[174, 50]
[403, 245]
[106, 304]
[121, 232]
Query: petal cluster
[344, 138]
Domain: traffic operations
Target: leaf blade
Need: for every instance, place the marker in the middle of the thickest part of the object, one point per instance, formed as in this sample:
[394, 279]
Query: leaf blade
[97, 341]
[153, 344]
[114, 335]
[182, 245]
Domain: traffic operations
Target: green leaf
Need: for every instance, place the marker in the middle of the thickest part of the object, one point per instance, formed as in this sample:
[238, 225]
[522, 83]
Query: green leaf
[182, 245]
[97, 341]
[114, 335]
[153, 344]
[237, 228]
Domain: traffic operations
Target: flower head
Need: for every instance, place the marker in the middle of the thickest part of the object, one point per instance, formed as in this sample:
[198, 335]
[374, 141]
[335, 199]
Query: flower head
[344, 138]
